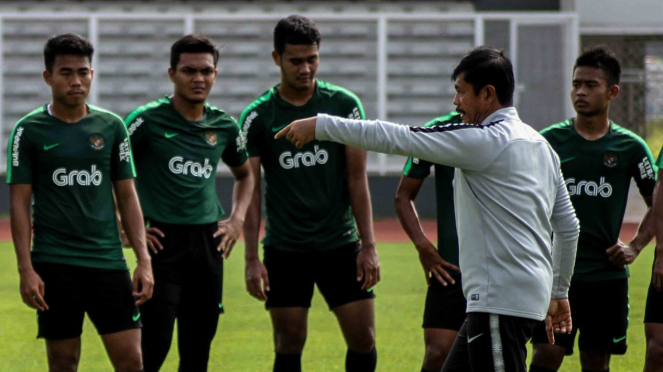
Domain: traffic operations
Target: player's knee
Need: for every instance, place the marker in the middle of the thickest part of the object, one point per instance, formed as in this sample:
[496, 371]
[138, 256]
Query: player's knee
[362, 342]
[130, 364]
[290, 340]
[436, 354]
[63, 362]
[547, 356]
[655, 350]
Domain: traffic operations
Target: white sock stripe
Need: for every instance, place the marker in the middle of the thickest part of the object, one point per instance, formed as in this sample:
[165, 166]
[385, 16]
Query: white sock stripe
[496, 341]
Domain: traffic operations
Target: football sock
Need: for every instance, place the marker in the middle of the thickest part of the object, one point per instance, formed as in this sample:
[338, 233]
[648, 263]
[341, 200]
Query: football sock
[425, 370]
[533, 368]
[288, 363]
[358, 362]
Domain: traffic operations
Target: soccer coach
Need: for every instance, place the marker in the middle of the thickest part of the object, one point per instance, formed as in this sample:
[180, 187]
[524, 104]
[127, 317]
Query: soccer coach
[510, 197]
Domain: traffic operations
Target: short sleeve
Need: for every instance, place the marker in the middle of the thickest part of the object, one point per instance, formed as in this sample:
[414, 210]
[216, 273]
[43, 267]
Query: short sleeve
[122, 162]
[355, 109]
[134, 122]
[644, 171]
[19, 157]
[251, 140]
[417, 168]
[234, 154]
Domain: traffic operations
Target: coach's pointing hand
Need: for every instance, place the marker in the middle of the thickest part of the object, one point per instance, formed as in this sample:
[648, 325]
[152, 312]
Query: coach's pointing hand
[299, 132]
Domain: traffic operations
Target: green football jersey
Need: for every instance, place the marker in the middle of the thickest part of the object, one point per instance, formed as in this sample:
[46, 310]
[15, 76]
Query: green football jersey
[176, 161]
[598, 175]
[71, 168]
[447, 237]
[306, 198]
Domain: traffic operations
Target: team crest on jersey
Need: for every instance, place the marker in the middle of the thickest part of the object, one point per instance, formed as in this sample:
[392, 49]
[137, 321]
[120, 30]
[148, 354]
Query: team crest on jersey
[610, 159]
[211, 138]
[97, 141]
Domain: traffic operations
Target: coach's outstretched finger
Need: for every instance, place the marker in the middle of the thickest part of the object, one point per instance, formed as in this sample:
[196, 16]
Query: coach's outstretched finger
[299, 132]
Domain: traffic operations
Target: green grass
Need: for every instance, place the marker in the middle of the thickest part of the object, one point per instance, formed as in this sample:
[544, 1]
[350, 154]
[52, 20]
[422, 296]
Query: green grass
[244, 339]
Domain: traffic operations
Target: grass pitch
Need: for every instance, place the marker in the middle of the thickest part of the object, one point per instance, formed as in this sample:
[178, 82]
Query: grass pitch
[244, 337]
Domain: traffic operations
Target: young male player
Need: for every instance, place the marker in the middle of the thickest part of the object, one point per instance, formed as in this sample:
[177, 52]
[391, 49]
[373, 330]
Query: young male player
[65, 159]
[314, 197]
[598, 158]
[511, 197]
[178, 141]
[444, 313]
[654, 307]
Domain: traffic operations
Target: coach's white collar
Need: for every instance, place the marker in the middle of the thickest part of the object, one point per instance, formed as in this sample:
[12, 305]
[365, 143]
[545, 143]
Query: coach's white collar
[506, 114]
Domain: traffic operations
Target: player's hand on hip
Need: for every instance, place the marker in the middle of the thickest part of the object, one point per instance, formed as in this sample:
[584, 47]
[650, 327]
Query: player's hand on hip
[368, 266]
[299, 132]
[657, 274]
[32, 290]
[229, 231]
[152, 235]
[257, 280]
[143, 284]
[558, 318]
[433, 264]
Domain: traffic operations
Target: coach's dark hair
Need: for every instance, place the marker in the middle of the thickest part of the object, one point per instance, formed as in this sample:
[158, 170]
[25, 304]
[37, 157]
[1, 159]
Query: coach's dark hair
[295, 30]
[601, 58]
[484, 66]
[194, 43]
[66, 44]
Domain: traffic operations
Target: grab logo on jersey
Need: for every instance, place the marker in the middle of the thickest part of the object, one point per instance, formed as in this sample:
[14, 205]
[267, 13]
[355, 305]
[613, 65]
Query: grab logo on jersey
[81, 177]
[177, 165]
[307, 158]
[589, 188]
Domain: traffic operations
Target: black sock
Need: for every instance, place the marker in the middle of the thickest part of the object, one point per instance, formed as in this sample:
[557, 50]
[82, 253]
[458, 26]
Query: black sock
[589, 370]
[358, 362]
[533, 368]
[425, 370]
[288, 363]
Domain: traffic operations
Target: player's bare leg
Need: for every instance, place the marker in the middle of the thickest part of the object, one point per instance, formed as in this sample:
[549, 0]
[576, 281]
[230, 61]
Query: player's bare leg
[547, 356]
[654, 359]
[595, 360]
[290, 329]
[123, 349]
[357, 321]
[63, 355]
[438, 344]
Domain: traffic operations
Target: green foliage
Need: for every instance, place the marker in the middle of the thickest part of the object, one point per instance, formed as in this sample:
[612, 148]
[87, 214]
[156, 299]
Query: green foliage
[244, 337]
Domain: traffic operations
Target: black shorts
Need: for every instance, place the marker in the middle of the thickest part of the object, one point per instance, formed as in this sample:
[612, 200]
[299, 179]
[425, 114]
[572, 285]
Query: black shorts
[654, 307]
[292, 276]
[188, 262]
[599, 311]
[71, 291]
[445, 305]
[490, 342]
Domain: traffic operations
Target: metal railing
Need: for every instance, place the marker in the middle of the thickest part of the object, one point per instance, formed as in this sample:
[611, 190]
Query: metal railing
[379, 164]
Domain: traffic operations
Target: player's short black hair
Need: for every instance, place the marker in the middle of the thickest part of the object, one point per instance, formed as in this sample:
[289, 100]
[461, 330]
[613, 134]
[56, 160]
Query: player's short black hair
[295, 30]
[601, 58]
[66, 44]
[194, 43]
[484, 66]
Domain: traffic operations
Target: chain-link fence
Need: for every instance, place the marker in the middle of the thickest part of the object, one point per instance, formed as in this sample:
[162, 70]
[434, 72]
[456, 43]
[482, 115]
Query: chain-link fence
[639, 106]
